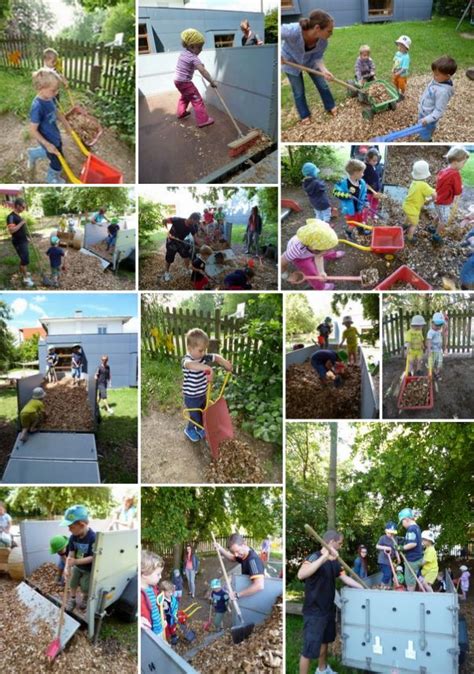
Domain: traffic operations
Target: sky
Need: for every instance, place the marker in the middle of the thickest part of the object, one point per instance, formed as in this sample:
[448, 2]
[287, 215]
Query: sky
[64, 15]
[321, 304]
[185, 204]
[28, 308]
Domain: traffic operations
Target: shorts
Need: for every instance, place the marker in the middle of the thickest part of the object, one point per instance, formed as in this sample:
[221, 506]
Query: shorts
[352, 349]
[416, 566]
[442, 211]
[201, 283]
[386, 573]
[218, 620]
[400, 82]
[174, 248]
[23, 253]
[413, 220]
[55, 271]
[437, 359]
[415, 353]
[102, 388]
[80, 578]
[317, 630]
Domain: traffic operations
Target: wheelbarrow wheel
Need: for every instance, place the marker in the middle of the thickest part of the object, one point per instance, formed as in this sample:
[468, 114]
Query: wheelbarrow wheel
[368, 113]
[350, 92]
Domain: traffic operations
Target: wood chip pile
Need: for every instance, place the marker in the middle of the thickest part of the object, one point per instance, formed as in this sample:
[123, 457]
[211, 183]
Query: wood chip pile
[101, 249]
[308, 398]
[237, 463]
[86, 126]
[416, 393]
[261, 653]
[400, 160]
[45, 577]
[67, 407]
[379, 93]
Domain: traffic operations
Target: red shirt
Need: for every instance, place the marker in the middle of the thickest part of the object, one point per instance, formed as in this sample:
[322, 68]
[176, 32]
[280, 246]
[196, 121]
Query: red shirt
[448, 186]
[208, 218]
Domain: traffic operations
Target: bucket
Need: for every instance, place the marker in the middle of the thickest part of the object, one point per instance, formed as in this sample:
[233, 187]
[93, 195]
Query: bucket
[16, 570]
[404, 274]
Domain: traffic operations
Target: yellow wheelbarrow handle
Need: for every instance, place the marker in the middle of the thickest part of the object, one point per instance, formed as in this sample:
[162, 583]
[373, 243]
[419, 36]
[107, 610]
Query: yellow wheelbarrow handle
[356, 245]
[359, 224]
[209, 401]
[67, 170]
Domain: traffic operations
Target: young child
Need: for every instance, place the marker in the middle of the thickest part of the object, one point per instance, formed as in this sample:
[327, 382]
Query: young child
[329, 366]
[43, 116]
[188, 62]
[319, 573]
[103, 377]
[435, 98]
[196, 368]
[401, 65]
[113, 229]
[412, 547]
[307, 250]
[448, 189]
[5, 527]
[352, 193]
[435, 343]
[55, 254]
[351, 336]
[464, 581]
[219, 599]
[52, 359]
[80, 554]
[400, 575]
[219, 217]
[372, 179]
[316, 192]
[177, 581]
[415, 343]
[417, 196]
[198, 265]
[364, 66]
[170, 609]
[62, 223]
[58, 546]
[386, 547]
[429, 570]
[77, 361]
[71, 225]
[151, 615]
[32, 413]
[208, 216]
[466, 275]
[52, 62]
[324, 329]
[239, 279]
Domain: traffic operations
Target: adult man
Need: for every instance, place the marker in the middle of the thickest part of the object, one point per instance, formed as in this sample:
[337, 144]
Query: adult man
[16, 225]
[181, 229]
[238, 551]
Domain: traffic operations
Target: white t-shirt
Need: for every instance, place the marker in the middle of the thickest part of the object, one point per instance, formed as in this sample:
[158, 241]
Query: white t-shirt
[436, 337]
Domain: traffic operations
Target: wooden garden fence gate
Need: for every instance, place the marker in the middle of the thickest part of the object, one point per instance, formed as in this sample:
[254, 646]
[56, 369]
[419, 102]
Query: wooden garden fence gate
[164, 330]
[84, 64]
[459, 326]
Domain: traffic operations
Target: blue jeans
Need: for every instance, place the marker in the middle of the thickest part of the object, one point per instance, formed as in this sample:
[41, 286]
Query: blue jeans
[111, 239]
[297, 86]
[191, 402]
[76, 372]
[325, 215]
[427, 132]
[386, 573]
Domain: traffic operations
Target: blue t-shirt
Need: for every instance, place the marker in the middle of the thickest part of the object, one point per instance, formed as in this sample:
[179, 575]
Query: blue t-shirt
[113, 229]
[98, 218]
[413, 535]
[82, 547]
[322, 356]
[237, 278]
[219, 599]
[44, 114]
[55, 253]
[76, 359]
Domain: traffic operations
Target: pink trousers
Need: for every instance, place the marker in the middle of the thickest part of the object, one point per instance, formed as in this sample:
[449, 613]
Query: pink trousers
[189, 94]
[373, 202]
[308, 267]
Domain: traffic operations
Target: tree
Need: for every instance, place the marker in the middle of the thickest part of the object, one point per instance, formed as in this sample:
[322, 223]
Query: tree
[150, 218]
[370, 310]
[7, 349]
[120, 19]
[300, 319]
[86, 27]
[271, 26]
[27, 351]
[52, 501]
[28, 18]
[324, 156]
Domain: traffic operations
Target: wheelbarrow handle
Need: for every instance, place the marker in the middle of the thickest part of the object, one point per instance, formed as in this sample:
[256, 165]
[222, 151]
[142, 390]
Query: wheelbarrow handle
[67, 170]
[354, 223]
[320, 74]
[209, 401]
[366, 249]
[74, 135]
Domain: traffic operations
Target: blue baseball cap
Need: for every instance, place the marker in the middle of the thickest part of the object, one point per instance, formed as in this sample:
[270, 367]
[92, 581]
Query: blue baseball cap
[391, 527]
[215, 583]
[75, 513]
[310, 169]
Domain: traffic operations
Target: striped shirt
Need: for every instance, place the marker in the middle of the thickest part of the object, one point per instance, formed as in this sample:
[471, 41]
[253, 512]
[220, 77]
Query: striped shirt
[194, 381]
[296, 251]
[187, 64]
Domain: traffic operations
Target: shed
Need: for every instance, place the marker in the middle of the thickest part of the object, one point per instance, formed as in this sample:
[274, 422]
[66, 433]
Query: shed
[359, 11]
[159, 28]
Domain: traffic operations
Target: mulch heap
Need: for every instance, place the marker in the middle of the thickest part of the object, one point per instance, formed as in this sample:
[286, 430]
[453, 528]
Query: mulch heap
[400, 159]
[101, 249]
[457, 124]
[85, 125]
[261, 652]
[416, 393]
[308, 398]
[67, 407]
[44, 578]
[237, 463]
[25, 651]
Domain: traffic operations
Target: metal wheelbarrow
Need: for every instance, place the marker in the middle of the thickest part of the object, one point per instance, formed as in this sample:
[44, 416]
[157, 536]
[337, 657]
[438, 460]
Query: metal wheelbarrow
[409, 380]
[94, 170]
[217, 422]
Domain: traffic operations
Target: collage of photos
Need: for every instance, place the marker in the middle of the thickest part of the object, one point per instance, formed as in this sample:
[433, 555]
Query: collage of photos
[237, 336]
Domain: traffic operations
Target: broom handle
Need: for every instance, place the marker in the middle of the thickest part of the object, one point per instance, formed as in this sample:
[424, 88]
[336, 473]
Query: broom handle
[219, 96]
[234, 601]
[412, 571]
[320, 74]
[309, 530]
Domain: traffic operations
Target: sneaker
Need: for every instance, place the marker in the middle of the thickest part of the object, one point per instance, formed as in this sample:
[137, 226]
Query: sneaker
[328, 670]
[436, 238]
[28, 282]
[401, 97]
[431, 229]
[71, 604]
[167, 276]
[111, 411]
[192, 434]
[201, 432]
[210, 121]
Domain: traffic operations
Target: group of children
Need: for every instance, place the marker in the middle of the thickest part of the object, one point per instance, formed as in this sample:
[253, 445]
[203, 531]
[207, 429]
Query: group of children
[350, 335]
[432, 347]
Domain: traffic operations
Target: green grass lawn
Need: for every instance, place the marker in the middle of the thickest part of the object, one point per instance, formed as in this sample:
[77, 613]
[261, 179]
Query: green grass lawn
[117, 437]
[8, 405]
[430, 39]
[17, 92]
[161, 383]
[117, 630]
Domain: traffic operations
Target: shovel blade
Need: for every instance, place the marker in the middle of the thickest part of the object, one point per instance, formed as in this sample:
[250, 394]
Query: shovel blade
[53, 649]
[241, 632]
[218, 425]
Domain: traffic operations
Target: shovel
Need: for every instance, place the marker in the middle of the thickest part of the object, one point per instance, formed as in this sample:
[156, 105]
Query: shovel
[244, 630]
[54, 647]
[298, 277]
[397, 586]
[418, 582]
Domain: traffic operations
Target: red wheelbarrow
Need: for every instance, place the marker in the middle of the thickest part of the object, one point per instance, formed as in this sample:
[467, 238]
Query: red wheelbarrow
[426, 385]
[404, 275]
[76, 117]
[384, 241]
[216, 418]
[94, 170]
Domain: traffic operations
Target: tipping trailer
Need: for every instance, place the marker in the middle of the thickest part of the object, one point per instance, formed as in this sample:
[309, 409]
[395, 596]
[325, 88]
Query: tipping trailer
[53, 457]
[124, 246]
[113, 569]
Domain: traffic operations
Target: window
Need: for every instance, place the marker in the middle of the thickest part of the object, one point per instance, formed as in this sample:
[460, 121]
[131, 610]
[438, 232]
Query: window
[224, 40]
[380, 7]
[290, 7]
[143, 44]
[102, 330]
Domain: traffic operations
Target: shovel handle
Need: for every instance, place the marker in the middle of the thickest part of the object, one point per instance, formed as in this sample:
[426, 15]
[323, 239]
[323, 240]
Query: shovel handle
[309, 530]
[412, 571]
[395, 578]
[301, 279]
[226, 576]
[320, 74]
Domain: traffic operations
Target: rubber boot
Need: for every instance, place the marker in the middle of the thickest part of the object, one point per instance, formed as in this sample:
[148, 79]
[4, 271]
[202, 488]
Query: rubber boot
[54, 177]
[34, 154]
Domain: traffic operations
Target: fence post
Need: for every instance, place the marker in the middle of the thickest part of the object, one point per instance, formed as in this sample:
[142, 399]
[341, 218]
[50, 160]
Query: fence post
[96, 68]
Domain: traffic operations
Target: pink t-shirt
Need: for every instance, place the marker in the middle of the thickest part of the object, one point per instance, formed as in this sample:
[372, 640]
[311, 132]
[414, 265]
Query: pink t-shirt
[186, 65]
[189, 562]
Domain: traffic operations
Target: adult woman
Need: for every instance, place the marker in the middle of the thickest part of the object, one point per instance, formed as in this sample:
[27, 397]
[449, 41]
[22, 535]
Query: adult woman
[254, 229]
[191, 567]
[249, 38]
[305, 43]
[360, 562]
[125, 517]
[104, 379]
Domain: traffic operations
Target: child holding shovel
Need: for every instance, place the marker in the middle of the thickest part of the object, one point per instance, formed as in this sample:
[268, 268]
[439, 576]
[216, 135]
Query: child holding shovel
[412, 547]
[387, 548]
[188, 61]
[58, 545]
[219, 600]
[429, 570]
[352, 193]
[151, 617]
[32, 413]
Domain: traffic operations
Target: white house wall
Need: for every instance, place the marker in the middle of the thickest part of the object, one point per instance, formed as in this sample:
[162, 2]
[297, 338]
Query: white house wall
[80, 326]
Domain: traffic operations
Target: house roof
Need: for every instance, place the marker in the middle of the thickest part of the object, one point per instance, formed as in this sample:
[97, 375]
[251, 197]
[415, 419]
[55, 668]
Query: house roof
[28, 333]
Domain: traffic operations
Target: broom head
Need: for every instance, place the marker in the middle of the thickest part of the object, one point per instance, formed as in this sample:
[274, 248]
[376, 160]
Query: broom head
[239, 146]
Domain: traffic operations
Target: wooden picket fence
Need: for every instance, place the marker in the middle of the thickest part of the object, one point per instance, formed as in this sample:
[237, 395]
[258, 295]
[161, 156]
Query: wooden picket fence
[459, 331]
[164, 330]
[85, 64]
[201, 548]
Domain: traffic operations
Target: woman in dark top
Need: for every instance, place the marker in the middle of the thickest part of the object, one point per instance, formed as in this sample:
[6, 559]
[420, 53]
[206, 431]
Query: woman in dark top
[360, 562]
[249, 38]
[254, 229]
[103, 378]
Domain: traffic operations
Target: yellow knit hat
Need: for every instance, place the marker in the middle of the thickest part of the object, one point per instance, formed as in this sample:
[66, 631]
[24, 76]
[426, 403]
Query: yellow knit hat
[317, 235]
[192, 36]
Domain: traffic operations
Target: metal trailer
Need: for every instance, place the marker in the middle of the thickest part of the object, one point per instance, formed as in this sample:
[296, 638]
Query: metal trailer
[400, 632]
[369, 405]
[125, 244]
[53, 457]
[158, 656]
[114, 565]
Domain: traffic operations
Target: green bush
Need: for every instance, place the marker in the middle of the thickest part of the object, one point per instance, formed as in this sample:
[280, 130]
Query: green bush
[117, 113]
[324, 156]
[450, 7]
[161, 382]
[30, 220]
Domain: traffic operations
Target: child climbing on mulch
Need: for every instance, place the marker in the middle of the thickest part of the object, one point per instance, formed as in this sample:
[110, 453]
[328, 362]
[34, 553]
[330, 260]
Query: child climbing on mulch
[188, 61]
[329, 366]
[239, 279]
[352, 193]
[351, 336]
[32, 413]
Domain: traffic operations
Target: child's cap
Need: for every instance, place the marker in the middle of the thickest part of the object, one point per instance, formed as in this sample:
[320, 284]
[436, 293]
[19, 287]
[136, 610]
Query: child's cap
[404, 40]
[400, 568]
[405, 513]
[192, 36]
[347, 319]
[38, 393]
[438, 318]
[54, 240]
[51, 347]
[215, 583]
[418, 321]
[76, 513]
[463, 568]
[310, 170]
[421, 170]
[317, 234]
[176, 572]
[391, 528]
[57, 543]
[328, 319]
[114, 221]
[428, 535]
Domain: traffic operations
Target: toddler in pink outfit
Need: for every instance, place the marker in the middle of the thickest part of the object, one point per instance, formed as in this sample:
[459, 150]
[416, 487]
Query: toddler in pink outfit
[188, 62]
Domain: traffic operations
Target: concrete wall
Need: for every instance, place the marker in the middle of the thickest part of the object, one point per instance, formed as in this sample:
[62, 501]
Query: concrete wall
[247, 79]
[121, 349]
[165, 24]
[356, 11]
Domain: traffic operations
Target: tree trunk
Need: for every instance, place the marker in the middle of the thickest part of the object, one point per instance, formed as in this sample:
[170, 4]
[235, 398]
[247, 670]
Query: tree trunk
[177, 555]
[332, 477]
